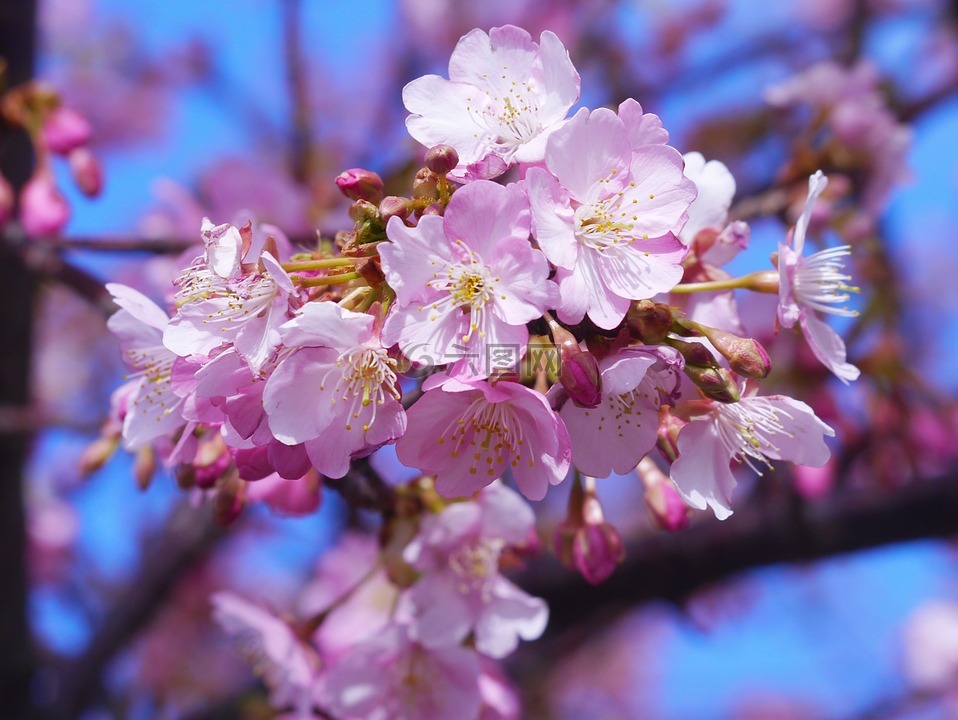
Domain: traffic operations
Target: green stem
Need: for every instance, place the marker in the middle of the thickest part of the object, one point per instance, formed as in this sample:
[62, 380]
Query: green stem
[331, 280]
[297, 265]
[765, 281]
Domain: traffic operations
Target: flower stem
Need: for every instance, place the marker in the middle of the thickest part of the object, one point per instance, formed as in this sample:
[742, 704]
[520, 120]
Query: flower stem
[330, 280]
[295, 265]
[765, 281]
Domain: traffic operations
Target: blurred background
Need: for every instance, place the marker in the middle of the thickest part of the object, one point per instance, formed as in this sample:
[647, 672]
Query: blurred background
[826, 596]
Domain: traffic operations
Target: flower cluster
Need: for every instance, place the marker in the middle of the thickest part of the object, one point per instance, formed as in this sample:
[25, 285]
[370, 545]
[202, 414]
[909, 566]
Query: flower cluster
[548, 302]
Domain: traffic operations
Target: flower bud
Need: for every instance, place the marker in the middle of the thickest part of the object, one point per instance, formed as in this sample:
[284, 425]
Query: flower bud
[649, 322]
[584, 541]
[229, 500]
[426, 185]
[661, 498]
[441, 160]
[716, 383]
[694, 353]
[363, 211]
[745, 356]
[43, 210]
[97, 453]
[668, 433]
[597, 550]
[578, 369]
[433, 209]
[144, 466]
[87, 172]
[6, 200]
[394, 206]
[360, 184]
[764, 281]
[65, 130]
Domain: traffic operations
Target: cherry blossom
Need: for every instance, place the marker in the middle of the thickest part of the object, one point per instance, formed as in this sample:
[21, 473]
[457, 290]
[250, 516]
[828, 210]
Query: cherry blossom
[337, 393]
[288, 665]
[468, 433]
[604, 213]
[615, 436]
[467, 282]
[461, 590]
[221, 301]
[504, 95]
[391, 677]
[755, 431]
[152, 409]
[812, 284]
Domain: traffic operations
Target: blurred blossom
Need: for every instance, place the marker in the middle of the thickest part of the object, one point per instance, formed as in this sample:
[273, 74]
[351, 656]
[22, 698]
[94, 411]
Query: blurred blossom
[930, 646]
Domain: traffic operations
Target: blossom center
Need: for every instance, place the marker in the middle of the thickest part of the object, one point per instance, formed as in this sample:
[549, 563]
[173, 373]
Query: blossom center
[748, 431]
[491, 433]
[603, 226]
[820, 282]
[475, 567]
[365, 378]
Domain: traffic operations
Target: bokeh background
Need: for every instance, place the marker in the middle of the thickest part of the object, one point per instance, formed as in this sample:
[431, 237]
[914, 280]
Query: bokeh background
[206, 108]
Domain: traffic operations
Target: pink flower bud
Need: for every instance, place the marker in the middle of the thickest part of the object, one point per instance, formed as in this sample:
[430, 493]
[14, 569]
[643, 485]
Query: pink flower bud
[649, 321]
[578, 370]
[584, 541]
[716, 383]
[662, 499]
[144, 466]
[393, 206]
[363, 211]
[43, 210]
[746, 356]
[425, 184]
[6, 200]
[87, 172]
[64, 130]
[441, 159]
[229, 500]
[360, 184]
[597, 549]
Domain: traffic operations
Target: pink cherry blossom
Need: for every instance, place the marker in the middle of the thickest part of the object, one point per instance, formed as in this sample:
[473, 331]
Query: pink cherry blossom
[43, 209]
[219, 301]
[466, 282]
[504, 95]
[337, 393]
[930, 646]
[812, 284]
[754, 431]
[288, 665]
[64, 130]
[605, 214]
[461, 590]
[290, 497]
[615, 436]
[716, 188]
[391, 677]
[468, 433]
[152, 408]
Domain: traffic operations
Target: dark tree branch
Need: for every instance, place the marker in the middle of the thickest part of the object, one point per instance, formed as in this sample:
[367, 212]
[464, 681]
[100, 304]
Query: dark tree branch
[17, 657]
[672, 566]
[189, 534]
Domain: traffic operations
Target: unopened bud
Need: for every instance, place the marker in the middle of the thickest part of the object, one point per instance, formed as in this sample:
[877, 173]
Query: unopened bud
[649, 322]
[426, 184]
[441, 159]
[361, 184]
[6, 200]
[363, 211]
[394, 206]
[597, 549]
[746, 356]
[661, 498]
[584, 541]
[96, 454]
[144, 466]
[433, 209]
[43, 210]
[578, 369]
[668, 433]
[716, 383]
[229, 500]
[65, 130]
[694, 353]
[86, 171]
